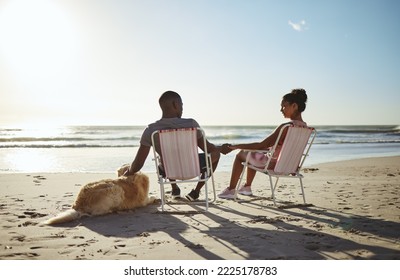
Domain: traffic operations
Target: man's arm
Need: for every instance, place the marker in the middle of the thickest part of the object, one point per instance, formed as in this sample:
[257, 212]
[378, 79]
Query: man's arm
[139, 160]
[224, 149]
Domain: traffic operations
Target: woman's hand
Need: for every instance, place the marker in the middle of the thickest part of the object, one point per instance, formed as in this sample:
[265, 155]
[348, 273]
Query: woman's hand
[225, 148]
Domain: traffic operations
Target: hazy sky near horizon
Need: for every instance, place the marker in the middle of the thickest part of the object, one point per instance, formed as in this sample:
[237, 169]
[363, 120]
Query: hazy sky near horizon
[107, 62]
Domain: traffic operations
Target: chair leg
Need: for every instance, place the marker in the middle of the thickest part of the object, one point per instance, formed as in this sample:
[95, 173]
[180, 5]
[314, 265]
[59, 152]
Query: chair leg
[206, 190]
[302, 190]
[239, 183]
[210, 175]
[162, 192]
[213, 186]
[273, 187]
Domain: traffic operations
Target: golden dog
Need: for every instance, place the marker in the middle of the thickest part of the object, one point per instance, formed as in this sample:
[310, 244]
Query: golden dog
[106, 196]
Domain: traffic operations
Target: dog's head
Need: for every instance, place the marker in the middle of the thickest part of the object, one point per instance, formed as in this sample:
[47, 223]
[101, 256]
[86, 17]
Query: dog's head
[122, 169]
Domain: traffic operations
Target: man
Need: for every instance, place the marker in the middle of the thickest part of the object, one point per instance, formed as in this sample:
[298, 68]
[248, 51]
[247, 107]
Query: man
[172, 109]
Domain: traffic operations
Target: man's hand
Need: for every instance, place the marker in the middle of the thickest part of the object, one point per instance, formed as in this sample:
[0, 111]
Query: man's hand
[225, 148]
[127, 172]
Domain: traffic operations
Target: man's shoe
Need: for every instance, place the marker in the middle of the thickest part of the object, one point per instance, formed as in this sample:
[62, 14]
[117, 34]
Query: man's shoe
[193, 195]
[176, 193]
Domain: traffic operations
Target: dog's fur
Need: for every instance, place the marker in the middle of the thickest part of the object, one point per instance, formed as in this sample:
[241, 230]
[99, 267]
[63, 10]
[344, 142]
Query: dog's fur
[106, 196]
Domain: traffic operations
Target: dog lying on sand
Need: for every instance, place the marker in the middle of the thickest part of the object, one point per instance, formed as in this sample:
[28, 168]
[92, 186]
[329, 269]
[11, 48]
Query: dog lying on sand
[107, 196]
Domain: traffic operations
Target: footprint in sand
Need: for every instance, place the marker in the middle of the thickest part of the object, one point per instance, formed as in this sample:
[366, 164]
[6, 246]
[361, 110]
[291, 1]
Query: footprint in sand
[78, 237]
[37, 179]
[19, 255]
[20, 238]
[68, 194]
[27, 223]
[306, 170]
[32, 214]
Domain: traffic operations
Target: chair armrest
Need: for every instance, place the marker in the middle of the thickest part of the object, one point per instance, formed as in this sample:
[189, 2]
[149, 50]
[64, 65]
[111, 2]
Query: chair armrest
[256, 151]
[267, 152]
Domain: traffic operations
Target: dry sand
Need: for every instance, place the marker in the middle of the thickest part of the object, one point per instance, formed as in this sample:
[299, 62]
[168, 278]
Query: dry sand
[354, 213]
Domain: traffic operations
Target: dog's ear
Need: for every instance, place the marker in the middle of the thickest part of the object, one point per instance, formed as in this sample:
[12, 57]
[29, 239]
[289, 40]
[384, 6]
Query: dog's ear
[122, 170]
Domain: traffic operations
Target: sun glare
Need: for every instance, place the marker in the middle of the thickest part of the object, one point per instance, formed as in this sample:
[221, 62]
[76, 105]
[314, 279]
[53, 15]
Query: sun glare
[37, 39]
[43, 130]
[30, 160]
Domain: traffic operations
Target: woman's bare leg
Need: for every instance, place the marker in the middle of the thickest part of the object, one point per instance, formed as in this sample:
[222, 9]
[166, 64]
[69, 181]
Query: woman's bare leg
[237, 169]
[251, 173]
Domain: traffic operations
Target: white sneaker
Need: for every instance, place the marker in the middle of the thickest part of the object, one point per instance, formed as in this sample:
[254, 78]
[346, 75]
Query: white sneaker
[227, 193]
[245, 190]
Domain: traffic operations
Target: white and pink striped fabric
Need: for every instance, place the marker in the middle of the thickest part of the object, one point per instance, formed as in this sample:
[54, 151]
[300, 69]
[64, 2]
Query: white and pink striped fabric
[180, 153]
[292, 150]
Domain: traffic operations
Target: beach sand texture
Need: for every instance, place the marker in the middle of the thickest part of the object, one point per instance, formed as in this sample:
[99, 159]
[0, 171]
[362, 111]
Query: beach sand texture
[354, 214]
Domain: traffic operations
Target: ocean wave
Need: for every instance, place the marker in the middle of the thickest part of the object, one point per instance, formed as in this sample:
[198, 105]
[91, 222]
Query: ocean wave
[41, 146]
[11, 129]
[132, 144]
[232, 137]
[358, 129]
[340, 142]
[61, 139]
[126, 136]
[367, 142]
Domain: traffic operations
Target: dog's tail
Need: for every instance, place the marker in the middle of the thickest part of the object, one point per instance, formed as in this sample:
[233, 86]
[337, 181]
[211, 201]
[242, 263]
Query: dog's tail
[67, 216]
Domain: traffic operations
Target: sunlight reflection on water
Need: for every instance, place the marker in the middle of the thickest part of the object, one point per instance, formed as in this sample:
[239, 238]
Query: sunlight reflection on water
[30, 160]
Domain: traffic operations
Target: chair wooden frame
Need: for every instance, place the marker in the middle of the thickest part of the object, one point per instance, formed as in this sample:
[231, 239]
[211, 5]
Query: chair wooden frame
[180, 160]
[294, 151]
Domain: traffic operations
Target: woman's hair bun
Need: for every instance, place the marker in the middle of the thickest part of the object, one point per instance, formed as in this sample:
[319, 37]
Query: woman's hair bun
[298, 96]
[301, 94]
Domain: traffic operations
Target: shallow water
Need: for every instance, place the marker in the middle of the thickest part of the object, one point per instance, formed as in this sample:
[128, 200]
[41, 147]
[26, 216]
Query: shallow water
[104, 149]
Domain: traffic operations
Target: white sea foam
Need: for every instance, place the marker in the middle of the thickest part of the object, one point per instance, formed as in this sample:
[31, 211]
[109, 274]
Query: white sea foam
[105, 148]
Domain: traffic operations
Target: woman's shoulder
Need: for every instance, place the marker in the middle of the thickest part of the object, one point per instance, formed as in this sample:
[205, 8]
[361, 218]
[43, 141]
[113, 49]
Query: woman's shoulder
[292, 122]
[298, 123]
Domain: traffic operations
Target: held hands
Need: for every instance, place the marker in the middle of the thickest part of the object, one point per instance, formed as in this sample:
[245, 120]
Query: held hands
[225, 148]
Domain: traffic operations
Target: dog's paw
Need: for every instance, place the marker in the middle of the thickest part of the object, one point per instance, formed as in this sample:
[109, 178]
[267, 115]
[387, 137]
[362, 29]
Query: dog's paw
[153, 199]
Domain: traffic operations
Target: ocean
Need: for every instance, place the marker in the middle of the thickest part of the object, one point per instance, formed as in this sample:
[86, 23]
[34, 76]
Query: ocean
[105, 148]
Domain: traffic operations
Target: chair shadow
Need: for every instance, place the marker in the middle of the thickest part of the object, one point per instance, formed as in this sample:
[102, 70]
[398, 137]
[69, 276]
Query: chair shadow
[276, 235]
[320, 218]
[334, 218]
[141, 223]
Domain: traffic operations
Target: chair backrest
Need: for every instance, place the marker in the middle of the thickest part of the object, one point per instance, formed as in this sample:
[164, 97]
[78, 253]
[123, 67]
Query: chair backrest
[294, 149]
[179, 153]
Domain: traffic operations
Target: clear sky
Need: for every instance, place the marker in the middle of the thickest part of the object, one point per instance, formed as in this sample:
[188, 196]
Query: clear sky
[107, 62]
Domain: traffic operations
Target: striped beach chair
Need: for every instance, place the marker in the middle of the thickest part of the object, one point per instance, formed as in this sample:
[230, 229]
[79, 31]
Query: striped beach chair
[176, 150]
[294, 150]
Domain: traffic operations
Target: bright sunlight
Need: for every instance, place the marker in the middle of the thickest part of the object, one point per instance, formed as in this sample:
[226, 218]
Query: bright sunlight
[38, 37]
[39, 48]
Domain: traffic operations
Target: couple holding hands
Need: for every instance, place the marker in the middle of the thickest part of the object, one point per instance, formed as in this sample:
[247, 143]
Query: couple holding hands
[292, 105]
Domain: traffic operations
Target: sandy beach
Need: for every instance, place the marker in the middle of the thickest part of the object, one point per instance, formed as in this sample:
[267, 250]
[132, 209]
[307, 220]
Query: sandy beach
[353, 213]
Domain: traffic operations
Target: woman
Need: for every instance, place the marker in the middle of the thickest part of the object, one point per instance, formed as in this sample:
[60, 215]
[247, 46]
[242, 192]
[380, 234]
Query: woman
[292, 105]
